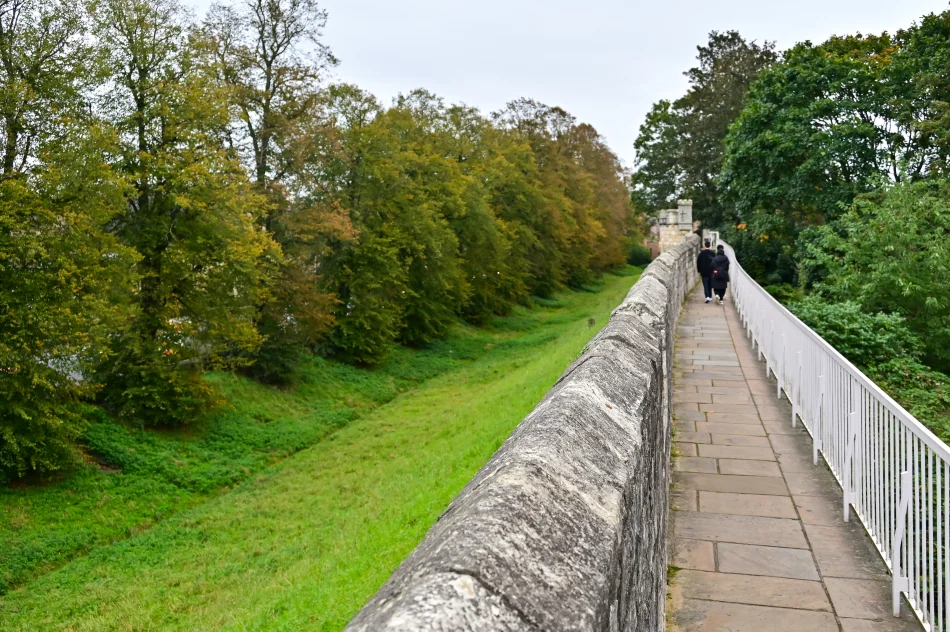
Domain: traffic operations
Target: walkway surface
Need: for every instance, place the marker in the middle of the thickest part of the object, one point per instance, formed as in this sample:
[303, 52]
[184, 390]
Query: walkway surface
[757, 531]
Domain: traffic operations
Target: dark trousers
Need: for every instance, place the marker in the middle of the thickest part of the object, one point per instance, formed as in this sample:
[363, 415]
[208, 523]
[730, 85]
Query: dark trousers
[707, 286]
[721, 293]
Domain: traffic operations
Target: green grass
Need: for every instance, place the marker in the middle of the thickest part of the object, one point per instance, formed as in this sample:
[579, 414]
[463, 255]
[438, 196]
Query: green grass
[298, 541]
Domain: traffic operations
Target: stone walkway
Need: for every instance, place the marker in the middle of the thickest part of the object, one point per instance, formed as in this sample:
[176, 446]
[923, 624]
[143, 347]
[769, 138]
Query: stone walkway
[757, 534]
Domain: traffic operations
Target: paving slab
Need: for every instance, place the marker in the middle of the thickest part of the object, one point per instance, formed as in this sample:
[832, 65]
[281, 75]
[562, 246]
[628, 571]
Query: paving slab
[780, 427]
[886, 624]
[736, 452]
[771, 561]
[693, 437]
[816, 482]
[684, 500]
[740, 529]
[768, 485]
[731, 429]
[684, 449]
[817, 510]
[840, 553]
[752, 590]
[725, 390]
[730, 398]
[860, 598]
[739, 409]
[733, 418]
[695, 615]
[747, 504]
[740, 440]
[697, 555]
[695, 464]
[740, 467]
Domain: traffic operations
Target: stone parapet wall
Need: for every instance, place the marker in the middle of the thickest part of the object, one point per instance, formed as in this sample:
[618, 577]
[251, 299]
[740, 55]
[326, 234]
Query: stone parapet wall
[565, 527]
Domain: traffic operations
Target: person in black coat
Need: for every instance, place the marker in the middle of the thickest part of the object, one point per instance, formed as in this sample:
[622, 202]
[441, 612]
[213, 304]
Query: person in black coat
[704, 266]
[720, 274]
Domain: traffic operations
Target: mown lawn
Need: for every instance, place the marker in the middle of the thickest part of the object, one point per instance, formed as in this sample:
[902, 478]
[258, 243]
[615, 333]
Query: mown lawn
[239, 525]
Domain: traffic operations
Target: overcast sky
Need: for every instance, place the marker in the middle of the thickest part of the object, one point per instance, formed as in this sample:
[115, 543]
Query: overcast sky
[605, 61]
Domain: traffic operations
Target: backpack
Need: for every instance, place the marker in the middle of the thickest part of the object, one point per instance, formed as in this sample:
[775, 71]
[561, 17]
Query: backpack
[719, 274]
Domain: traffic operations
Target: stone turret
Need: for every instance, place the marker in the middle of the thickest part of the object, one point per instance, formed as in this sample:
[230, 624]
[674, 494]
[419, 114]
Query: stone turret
[676, 224]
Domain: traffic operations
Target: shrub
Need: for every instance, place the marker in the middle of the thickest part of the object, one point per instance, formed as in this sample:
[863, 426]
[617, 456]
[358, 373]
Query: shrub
[785, 293]
[865, 339]
[889, 252]
[640, 255]
[925, 393]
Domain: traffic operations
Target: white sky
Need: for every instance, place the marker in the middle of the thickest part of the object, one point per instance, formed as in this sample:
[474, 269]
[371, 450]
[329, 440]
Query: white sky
[605, 61]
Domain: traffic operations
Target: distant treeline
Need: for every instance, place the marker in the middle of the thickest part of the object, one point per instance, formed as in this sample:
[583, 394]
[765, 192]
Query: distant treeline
[181, 195]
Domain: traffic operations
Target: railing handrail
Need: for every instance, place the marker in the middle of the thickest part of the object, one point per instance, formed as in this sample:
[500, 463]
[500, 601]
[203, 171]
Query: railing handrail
[932, 440]
[892, 469]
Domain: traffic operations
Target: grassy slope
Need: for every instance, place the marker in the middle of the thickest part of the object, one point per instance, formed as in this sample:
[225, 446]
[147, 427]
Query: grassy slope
[162, 473]
[304, 543]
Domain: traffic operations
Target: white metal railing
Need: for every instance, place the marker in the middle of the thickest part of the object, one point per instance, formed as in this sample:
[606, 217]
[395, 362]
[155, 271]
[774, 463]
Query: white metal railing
[893, 471]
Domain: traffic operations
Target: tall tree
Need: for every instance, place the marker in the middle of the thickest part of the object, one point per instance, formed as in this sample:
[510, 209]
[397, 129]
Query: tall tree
[680, 147]
[191, 216]
[62, 280]
[270, 55]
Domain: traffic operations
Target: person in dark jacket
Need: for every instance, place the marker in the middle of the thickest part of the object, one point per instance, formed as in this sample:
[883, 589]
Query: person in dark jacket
[720, 274]
[704, 265]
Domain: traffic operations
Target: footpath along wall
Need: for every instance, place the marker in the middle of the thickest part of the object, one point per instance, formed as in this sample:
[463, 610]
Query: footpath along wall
[565, 527]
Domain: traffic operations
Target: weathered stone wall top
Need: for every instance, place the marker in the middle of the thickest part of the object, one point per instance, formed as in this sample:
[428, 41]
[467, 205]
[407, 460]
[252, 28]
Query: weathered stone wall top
[565, 527]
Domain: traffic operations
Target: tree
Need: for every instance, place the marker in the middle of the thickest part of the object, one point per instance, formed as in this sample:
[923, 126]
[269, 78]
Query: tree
[658, 179]
[680, 146]
[462, 136]
[402, 278]
[819, 128]
[191, 216]
[270, 56]
[62, 279]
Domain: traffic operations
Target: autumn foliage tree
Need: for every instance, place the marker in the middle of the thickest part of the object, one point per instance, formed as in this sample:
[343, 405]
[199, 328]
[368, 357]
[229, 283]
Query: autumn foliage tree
[270, 57]
[191, 215]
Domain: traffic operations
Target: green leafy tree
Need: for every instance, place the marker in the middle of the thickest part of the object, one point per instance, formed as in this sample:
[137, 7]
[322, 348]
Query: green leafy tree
[402, 278]
[191, 216]
[63, 281]
[659, 176]
[819, 129]
[493, 276]
[270, 56]
[680, 148]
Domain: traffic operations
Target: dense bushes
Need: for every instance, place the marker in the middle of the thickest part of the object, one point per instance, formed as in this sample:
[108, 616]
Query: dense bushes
[865, 339]
[201, 199]
[640, 255]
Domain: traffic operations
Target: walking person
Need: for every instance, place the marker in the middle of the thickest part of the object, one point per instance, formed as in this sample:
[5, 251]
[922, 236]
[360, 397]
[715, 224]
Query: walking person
[704, 266]
[720, 274]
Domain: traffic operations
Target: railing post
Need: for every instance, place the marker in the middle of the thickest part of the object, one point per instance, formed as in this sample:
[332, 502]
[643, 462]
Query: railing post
[796, 405]
[778, 380]
[759, 346]
[899, 583]
[848, 486]
[816, 431]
